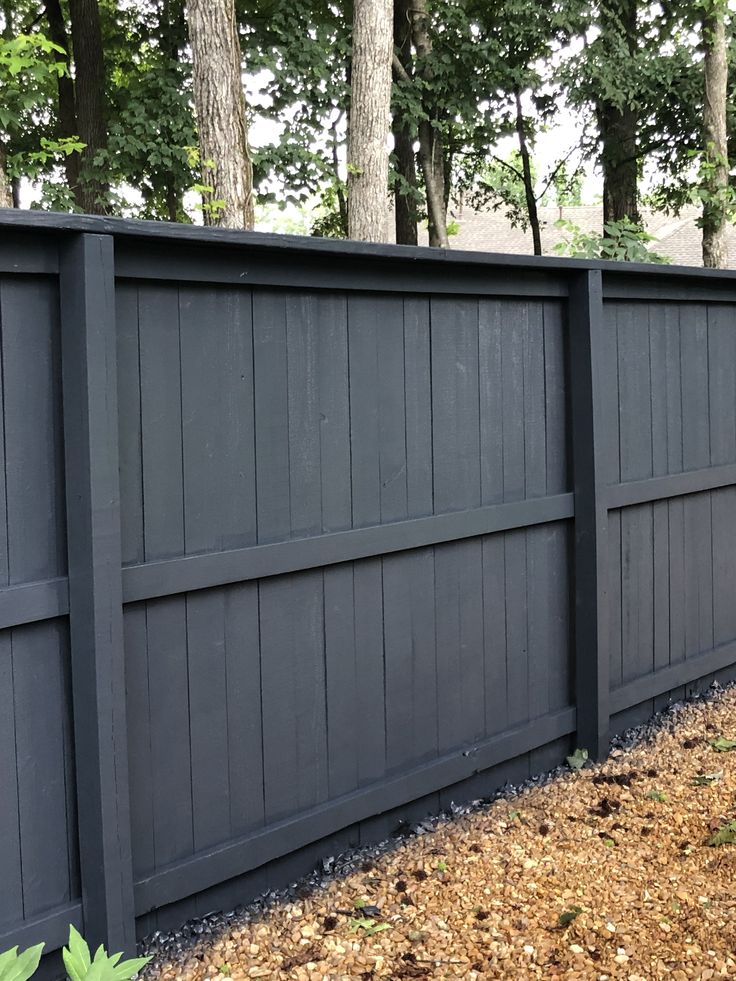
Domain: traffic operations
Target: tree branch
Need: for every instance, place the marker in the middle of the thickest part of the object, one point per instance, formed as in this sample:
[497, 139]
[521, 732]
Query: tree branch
[400, 71]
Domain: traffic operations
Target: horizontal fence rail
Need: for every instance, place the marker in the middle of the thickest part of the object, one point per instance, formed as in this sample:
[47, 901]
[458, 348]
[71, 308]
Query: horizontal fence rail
[298, 533]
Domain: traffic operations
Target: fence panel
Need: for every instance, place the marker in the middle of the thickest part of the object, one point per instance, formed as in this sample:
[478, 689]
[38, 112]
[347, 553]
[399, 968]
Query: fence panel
[295, 534]
[39, 857]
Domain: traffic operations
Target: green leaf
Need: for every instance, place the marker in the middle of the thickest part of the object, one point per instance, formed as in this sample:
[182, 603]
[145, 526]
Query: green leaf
[80, 967]
[7, 958]
[369, 927]
[723, 745]
[569, 915]
[79, 947]
[657, 795]
[724, 836]
[578, 759]
[705, 779]
[128, 969]
[20, 967]
[76, 956]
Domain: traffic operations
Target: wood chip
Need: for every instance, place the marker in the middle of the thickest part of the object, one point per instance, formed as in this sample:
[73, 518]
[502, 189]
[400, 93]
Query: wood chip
[623, 852]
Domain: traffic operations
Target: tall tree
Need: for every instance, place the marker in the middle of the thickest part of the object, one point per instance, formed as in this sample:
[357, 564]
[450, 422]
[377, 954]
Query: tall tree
[89, 99]
[370, 105]
[617, 117]
[6, 190]
[405, 181]
[715, 150]
[67, 113]
[432, 158]
[219, 102]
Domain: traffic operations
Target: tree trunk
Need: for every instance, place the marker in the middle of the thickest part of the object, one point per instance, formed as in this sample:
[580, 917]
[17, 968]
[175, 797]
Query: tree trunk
[431, 150]
[89, 98]
[715, 212]
[65, 87]
[370, 112]
[6, 191]
[219, 101]
[526, 165]
[619, 127]
[405, 207]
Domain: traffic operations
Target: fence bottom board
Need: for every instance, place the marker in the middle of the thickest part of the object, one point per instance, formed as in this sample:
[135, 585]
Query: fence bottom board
[206, 869]
[281, 873]
[51, 928]
[668, 679]
[635, 715]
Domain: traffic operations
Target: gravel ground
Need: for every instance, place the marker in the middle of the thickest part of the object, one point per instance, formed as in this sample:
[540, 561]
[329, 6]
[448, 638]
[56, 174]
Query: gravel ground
[602, 872]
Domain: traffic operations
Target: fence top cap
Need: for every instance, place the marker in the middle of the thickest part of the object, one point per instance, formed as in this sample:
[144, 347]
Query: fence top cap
[196, 235]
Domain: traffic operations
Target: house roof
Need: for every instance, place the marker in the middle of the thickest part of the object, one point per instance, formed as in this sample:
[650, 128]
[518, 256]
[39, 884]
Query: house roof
[677, 237]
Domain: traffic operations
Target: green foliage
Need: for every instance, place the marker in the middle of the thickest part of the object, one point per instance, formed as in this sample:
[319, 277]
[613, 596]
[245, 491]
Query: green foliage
[501, 185]
[723, 745]
[726, 835]
[578, 759]
[20, 967]
[657, 795]
[568, 187]
[622, 241]
[566, 918]
[151, 124]
[706, 779]
[81, 966]
[30, 65]
[367, 926]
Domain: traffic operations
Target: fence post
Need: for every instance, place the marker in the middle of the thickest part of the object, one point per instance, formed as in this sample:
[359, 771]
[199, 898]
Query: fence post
[88, 348]
[591, 515]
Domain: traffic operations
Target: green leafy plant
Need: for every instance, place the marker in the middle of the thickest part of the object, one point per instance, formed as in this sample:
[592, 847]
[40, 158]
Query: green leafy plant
[706, 779]
[566, 918]
[20, 967]
[723, 745]
[724, 836]
[578, 759]
[369, 927]
[81, 966]
[657, 795]
[621, 241]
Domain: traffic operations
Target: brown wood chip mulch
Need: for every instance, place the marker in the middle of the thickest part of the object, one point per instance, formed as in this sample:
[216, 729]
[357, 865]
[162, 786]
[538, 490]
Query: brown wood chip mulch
[604, 872]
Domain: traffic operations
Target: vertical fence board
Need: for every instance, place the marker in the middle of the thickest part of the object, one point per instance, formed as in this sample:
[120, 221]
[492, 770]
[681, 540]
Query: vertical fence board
[270, 380]
[555, 388]
[11, 894]
[218, 463]
[243, 697]
[33, 430]
[294, 709]
[366, 510]
[168, 670]
[590, 447]
[38, 650]
[95, 592]
[140, 762]
[129, 423]
[458, 569]
[417, 383]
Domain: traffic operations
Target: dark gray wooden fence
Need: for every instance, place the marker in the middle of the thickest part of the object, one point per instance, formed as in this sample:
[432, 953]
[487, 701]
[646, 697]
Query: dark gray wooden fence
[296, 533]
